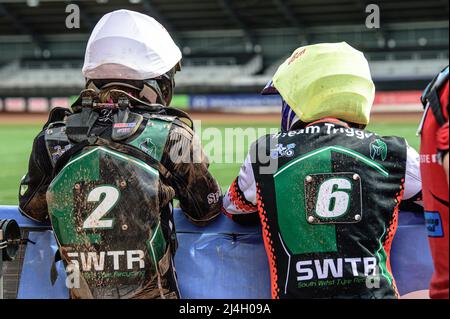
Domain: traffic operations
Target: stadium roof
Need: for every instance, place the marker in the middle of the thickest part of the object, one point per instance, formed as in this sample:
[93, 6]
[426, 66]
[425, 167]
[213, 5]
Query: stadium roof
[42, 17]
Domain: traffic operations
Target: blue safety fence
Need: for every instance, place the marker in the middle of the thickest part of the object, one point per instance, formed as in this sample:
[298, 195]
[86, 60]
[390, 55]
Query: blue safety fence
[223, 260]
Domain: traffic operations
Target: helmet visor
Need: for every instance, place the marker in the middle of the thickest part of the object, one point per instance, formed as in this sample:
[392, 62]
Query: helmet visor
[269, 89]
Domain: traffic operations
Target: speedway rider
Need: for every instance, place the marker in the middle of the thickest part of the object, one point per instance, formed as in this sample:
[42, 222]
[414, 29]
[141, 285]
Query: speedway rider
[106, 172]
[329, 207]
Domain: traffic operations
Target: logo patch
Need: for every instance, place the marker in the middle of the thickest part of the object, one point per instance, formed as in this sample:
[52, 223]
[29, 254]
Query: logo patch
[124, 125]
[125, 130]
[282, 151]
[58, 151]
[148, 147]
[378, 148]
[433, 222]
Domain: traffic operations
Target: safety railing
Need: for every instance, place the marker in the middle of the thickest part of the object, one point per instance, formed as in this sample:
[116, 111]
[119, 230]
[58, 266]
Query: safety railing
[222, 260]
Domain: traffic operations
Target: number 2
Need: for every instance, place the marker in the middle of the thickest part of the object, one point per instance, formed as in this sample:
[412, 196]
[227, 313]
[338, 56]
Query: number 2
[110, 199]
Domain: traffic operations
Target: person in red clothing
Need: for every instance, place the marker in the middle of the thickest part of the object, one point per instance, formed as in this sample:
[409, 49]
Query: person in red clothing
[434, 170]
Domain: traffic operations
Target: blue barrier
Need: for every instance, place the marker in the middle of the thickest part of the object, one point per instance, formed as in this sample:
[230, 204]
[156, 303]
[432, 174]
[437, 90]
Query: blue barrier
[223, 260]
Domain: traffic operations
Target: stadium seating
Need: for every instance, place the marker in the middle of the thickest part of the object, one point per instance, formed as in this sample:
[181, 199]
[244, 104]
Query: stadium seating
[407, 69]
[16, 76]
[231, 75]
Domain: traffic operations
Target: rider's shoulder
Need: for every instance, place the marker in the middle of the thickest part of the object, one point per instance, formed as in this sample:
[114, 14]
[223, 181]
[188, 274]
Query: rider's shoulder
[179, 123]
[57, 115]
[264, 141]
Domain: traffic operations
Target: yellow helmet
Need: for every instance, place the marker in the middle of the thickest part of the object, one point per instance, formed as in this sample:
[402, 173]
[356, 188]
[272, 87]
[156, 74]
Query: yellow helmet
[326, 80]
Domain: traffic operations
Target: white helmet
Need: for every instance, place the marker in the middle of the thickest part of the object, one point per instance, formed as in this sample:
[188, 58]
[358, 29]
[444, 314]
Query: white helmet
[132, 49]
[129, 45]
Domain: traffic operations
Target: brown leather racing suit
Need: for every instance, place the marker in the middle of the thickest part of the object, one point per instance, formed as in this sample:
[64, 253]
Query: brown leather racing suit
[197, 191]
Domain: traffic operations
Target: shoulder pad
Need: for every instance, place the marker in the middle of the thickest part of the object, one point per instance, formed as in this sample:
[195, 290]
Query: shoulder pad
[57, 115]
[126, 124]
[166, 118]
[56, 141]
[436, 84]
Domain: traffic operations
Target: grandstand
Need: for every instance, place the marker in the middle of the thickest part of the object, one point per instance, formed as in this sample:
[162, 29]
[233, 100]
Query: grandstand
[229, 46]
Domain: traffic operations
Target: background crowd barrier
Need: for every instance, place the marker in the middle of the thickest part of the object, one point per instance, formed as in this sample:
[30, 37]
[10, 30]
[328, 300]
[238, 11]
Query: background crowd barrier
[222, 260]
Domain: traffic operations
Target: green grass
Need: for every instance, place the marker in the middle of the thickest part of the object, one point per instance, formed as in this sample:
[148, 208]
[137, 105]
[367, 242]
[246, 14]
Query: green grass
[15, 146]
[16, 142]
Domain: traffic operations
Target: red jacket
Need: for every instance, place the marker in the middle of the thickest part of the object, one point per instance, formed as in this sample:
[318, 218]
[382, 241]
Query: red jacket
[434, 144]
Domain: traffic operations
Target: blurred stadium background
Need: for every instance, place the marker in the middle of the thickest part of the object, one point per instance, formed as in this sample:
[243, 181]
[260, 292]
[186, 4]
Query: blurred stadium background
[231, 49]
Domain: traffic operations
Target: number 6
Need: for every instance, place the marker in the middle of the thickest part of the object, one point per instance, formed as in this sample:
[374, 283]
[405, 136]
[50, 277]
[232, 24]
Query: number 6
[333, 199]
